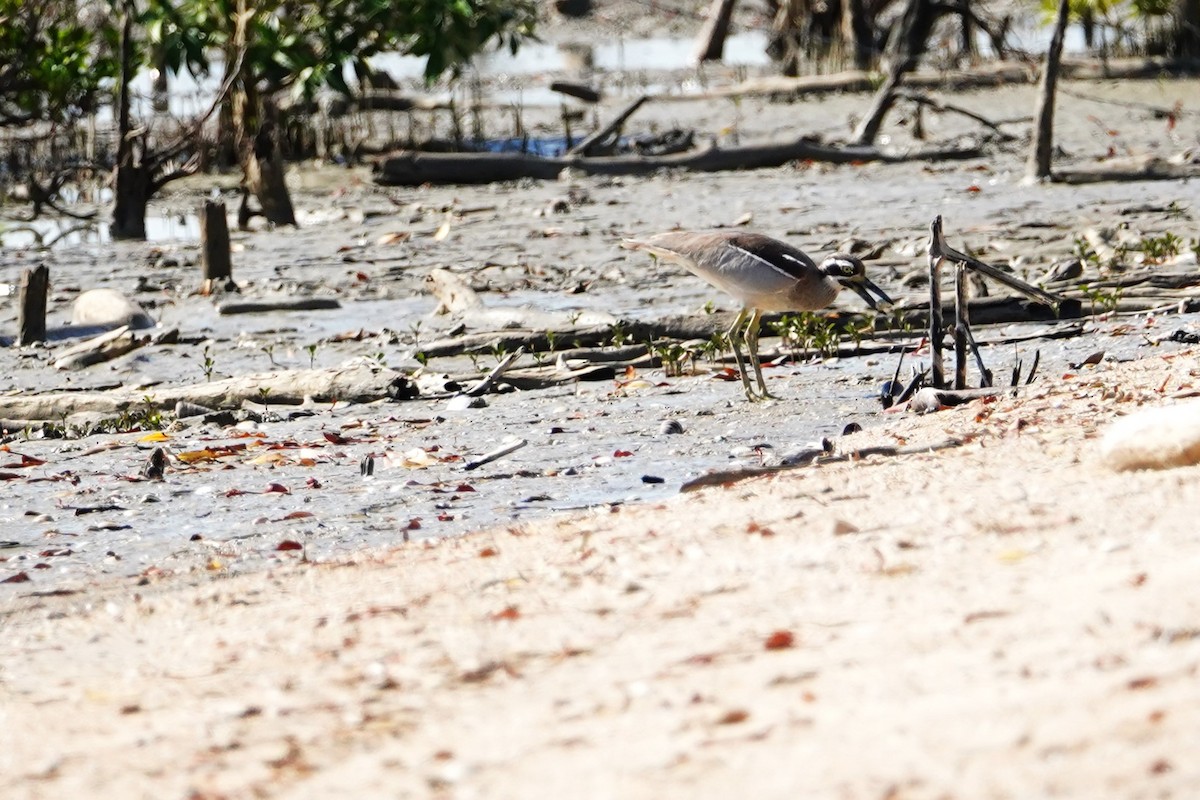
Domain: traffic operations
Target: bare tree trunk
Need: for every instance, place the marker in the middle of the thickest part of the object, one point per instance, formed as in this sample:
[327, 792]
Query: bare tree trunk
[967, 32]
[256, 120]
[215, 261]
[711, 42]
[1042, 147]
[905, 50]
[131, 184]
[1187, 28]
[856, 32]
[31, 315]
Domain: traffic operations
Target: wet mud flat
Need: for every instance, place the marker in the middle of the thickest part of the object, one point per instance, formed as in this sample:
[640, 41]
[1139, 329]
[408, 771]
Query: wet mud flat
[291, 485]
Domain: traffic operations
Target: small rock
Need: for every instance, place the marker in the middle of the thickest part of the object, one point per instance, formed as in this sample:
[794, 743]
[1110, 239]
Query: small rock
[108, 308]
[1156, 438]
[464, 401]
[670, 426]
[1067, 270]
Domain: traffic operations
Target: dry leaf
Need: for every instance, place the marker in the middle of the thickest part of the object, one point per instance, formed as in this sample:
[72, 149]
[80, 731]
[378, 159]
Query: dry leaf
[780, 640]
[394, 237]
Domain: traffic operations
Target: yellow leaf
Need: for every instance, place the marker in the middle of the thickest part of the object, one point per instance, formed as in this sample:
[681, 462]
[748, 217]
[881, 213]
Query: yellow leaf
[192, 456]
[1013, 556]
[271, 457]
[156, 436]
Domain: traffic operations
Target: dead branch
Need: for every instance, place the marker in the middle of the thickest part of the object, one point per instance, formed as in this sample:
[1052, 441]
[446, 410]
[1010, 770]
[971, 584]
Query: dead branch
[611, 130]
[943, 108]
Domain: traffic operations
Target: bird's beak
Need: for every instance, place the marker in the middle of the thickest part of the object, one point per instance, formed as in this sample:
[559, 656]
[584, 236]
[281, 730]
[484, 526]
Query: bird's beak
[863, 287]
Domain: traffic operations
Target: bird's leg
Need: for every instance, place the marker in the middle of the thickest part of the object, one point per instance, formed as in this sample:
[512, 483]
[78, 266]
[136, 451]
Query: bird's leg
[753, 327]
[736, 331]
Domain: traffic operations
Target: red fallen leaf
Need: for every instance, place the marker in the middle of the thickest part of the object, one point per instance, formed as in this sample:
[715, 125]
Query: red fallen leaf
[298, 515]
[289, 544]
[465, 487]
[8, 476]
[336, 438]
[621, 454]
[414, 524]
[754, 527]
[277, 488]
[488, 552]
[235, 492]
[312, 483]
[56, 551]
[726, 374]
[974, 188]
[510, 613]
[362, 277]
[41, 565]
[20, 577]
[780, 640]
[1143, 683]
[26, 461]
[445, 517]
[734, 716]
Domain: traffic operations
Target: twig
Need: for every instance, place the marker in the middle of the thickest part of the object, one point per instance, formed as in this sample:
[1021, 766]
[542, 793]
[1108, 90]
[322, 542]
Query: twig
[728, 476]
[499, 452]
[941, 107]
[486, 382]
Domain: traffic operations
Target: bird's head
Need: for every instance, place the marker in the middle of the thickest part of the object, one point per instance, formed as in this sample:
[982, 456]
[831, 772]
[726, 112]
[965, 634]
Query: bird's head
[850, 272]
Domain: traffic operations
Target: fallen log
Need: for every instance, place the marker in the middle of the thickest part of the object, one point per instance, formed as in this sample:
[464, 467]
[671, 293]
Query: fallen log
[1140, 168]
[354, 384]
[266, 306]
[412, 168]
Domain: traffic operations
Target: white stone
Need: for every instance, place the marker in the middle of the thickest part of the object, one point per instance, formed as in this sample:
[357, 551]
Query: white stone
[1156, 438]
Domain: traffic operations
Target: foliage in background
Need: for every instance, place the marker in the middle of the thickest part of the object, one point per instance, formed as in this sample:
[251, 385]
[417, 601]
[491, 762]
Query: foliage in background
[52, 66]
[303, 45]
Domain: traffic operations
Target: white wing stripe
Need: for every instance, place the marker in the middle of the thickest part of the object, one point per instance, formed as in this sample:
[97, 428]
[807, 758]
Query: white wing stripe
[781, 270]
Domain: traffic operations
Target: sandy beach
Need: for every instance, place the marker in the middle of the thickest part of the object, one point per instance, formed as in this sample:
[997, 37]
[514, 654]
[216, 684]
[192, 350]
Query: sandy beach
[1008, 617]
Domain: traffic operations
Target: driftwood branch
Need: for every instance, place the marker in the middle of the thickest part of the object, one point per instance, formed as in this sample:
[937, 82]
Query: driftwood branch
[611, 129]
[938, 242]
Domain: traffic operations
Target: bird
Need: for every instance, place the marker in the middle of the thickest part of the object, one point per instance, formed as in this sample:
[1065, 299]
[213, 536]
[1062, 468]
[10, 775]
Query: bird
[764, 274]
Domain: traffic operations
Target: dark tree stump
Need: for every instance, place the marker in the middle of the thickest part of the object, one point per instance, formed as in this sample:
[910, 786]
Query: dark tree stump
[31, 319]
[214, 244]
